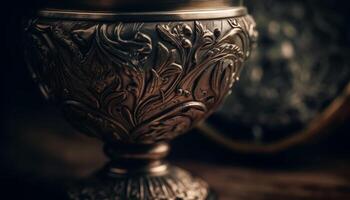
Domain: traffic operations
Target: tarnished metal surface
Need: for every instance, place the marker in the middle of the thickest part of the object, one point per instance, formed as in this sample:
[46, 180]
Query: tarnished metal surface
[136, 82]
[209, 13]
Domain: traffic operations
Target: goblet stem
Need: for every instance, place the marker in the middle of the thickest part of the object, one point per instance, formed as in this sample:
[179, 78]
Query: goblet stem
[137, 158]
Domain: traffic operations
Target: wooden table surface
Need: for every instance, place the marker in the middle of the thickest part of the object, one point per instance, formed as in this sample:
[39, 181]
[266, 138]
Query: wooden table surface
[39, 160]
[237, 183]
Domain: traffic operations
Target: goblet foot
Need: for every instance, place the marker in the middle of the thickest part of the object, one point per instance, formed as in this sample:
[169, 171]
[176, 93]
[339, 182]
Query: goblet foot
[171, 184]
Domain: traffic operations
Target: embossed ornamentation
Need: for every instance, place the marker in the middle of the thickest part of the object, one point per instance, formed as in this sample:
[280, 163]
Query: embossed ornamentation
[136, 85]
[138, 82]
[178, 184]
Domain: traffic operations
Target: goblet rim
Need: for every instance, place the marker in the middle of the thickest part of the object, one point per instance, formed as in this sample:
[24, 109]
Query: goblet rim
[177, 15]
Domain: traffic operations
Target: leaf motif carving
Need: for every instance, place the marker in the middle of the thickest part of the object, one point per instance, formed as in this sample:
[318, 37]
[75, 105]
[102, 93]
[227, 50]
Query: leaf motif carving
[138, 82]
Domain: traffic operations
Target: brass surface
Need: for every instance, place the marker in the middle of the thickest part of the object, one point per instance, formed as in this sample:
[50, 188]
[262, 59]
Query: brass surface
[137, 158]
[173, 15]
[138, 82]
[136, 85]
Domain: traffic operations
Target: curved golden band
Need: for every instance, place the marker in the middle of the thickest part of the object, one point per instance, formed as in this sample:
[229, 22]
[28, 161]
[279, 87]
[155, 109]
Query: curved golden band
[145, 16]
[335, 113]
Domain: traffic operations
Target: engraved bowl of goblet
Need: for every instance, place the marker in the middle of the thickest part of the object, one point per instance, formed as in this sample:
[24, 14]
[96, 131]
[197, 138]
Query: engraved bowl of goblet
[136, 80]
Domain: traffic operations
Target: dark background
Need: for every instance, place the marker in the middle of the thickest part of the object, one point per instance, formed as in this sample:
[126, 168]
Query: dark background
[39, 154]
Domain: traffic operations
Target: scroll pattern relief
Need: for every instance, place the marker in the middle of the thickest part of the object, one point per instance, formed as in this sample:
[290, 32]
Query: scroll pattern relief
[138, 82]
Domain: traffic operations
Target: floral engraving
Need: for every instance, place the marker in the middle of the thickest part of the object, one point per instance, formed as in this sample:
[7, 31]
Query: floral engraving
[138, 82]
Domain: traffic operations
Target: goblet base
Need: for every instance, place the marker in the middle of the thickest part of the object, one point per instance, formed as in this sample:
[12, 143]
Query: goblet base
[173, 184]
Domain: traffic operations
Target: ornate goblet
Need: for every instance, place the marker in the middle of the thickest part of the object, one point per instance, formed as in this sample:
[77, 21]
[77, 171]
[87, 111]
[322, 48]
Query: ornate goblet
[137, 78]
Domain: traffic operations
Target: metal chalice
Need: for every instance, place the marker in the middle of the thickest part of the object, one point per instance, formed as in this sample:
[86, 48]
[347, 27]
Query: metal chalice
[135, 75]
